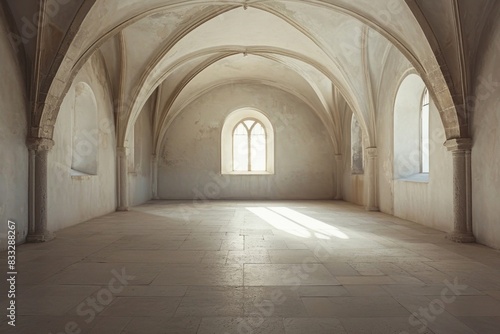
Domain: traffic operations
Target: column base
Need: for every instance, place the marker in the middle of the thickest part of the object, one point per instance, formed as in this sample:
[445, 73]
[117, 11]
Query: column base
[462, 238]
[372, 209]
[123, 208]
[39, 238]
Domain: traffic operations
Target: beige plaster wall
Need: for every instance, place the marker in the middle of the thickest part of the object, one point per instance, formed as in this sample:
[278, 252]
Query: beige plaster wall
[429, 203]
[140, 176]
[304, 158]
[425, 201]
[13, 150]
[75, 199]
[352, 183]
[486, 142]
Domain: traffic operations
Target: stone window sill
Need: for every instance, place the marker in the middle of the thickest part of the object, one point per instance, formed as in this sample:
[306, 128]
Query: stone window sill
[416, 178]
[247, 173]
[76, 175]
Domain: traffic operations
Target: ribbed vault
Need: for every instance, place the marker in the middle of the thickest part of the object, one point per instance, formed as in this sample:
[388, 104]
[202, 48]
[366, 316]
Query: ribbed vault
[321, 49]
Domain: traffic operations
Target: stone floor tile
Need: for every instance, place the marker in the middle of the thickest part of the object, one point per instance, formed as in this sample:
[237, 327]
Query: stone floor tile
[473, 306]
[292, 256]
[287, 274]
[313, 325]
[248, 257]
[202, 274]
[142, 306]
[211, 301]
[153, 291]
[220, 267]
[366, 290]
[162, 325]
[322, 291]
[365, 280]
[241, 325]
[482, 325]
[383, 325]
[345, 307]
[109, 325]
[273, 302]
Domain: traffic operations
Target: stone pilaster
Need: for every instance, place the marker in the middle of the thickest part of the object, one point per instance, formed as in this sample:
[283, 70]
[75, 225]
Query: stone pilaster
[462, 190]
[371, 179]
[123, 197]
[38, 195]
[154, 174]
[339, 171]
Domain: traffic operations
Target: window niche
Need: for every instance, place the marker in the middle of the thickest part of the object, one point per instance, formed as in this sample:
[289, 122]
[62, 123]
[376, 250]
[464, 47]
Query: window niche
[424, 133]
[412, 130]
[85, 140]
[247, 144]
[135, 148]
[357, 153]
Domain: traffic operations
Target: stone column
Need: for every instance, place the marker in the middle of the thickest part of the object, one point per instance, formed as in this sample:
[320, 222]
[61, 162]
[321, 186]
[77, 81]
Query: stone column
[371, 179]
[462, 190]
[154, 174]
[339, 176]
[31, 191]
[123, 200]
[39, 149]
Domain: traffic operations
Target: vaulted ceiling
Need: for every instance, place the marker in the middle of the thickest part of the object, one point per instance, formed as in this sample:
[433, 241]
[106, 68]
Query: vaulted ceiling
[332, 54]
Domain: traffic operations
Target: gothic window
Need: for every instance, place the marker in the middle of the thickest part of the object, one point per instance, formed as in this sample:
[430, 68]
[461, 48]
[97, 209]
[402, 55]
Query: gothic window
[85, 141]
[247, 143]
[424, 134]
[357, 159]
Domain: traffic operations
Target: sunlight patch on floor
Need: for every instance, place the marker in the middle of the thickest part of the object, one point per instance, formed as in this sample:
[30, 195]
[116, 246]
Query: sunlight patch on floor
[296, 223]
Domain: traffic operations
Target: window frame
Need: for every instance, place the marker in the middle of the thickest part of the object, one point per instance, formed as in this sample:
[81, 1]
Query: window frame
[425, 103]
[407, 129]
[354, 169]
[249, 140]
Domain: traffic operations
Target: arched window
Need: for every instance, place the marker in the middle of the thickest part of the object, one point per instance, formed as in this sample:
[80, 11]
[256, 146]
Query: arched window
[85, 142]
[135, 148]
[247, 143]
[357, 158]
[411, 130]
[424, 133]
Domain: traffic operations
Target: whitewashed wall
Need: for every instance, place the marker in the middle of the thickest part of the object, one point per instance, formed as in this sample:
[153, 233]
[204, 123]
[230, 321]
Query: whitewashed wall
[140, 183]
[75, 199]
[486, 143]
[304, 155]
[13, 151]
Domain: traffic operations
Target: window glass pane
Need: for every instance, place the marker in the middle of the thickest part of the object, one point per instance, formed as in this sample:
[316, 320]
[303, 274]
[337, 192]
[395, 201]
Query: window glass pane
[425, 145]
[426, 99]
[356, 147]
[241, 130]
[258, 152]
[240, 149]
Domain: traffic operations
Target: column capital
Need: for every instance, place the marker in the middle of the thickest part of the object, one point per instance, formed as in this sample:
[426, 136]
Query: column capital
[372, 152]
[459, 144]
[122, 151]
[39, 144]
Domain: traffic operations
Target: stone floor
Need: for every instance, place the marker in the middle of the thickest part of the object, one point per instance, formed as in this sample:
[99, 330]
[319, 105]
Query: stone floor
[254, 267]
